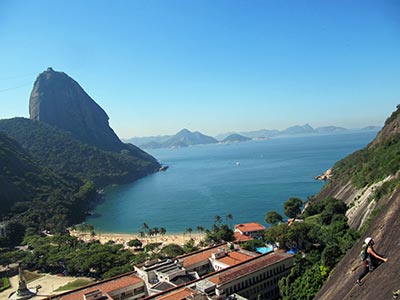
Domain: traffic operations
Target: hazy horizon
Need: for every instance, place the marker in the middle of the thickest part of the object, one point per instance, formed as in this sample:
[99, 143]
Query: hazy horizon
[221, 66]
[251, 130]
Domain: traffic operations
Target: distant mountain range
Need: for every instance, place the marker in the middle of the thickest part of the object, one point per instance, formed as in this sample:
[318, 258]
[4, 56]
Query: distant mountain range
[185, 137]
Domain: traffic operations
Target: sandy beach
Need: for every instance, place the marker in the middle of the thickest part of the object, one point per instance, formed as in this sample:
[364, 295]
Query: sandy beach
[122, 238]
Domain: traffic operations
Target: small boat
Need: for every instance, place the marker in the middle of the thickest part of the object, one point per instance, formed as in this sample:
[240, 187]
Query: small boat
[238, 163]
[163, 168]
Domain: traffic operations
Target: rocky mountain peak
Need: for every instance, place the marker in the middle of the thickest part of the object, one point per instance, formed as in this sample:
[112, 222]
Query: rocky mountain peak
[391, 128]
[60, 101]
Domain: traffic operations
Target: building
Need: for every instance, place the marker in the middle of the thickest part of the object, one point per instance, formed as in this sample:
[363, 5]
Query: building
[227, 272]
[257, 277]
[248, 231]
[247, 279]
[123, 287]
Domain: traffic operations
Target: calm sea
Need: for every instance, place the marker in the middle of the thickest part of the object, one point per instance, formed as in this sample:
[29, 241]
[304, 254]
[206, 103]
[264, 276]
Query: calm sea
[243, 179]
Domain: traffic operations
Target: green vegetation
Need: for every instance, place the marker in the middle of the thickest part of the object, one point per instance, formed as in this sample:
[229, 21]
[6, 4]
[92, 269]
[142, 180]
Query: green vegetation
[31, 276]
[393, 116]
[4, 284]
[36, 198]
[321, 239]
[273, 217]
[219, 233]
[189, 246]
[135, 243]
[252, 245]
[172, 250]
[387, 188]
[375, 162]
[48, 179]
[370, 164]
[74, 285]
[70, 256]
[59, 151]
[292, 207]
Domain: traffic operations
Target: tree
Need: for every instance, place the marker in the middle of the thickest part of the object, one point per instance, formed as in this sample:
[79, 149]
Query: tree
[253, 244]
[200, 229]
[189, 246]
[189, 230]
[292, 207]
[273, 217]
[145, 227]
[229, 217]
[163, 231]
[135, 243]
[172, 250]
[217, 219]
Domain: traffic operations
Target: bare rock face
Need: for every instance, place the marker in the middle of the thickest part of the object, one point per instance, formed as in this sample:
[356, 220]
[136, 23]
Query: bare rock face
[59, 100]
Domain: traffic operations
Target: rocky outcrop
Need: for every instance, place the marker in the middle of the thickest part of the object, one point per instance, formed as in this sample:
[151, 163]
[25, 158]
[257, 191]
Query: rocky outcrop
[381, 283]
[391, 128]
[59, 100]
[374, 208]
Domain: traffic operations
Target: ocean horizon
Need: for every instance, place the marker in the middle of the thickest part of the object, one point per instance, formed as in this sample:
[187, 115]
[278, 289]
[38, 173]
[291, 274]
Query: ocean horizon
[245, 180]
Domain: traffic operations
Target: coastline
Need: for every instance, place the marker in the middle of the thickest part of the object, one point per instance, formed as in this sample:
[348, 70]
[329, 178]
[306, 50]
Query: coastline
[179, 238]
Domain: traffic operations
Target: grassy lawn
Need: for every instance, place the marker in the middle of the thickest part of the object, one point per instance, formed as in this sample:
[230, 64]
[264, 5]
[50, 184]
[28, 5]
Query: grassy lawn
[31, 276]
[5, 284]
[73, 285]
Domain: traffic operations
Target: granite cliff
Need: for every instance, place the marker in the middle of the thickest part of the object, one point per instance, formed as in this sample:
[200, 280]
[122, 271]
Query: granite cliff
[60, 101]
[368, 181]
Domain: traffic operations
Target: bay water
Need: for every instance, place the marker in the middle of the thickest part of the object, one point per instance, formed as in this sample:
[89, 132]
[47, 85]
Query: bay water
[245, 180]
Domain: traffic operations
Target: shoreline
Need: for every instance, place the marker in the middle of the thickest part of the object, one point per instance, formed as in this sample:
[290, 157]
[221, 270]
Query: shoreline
[179, 238]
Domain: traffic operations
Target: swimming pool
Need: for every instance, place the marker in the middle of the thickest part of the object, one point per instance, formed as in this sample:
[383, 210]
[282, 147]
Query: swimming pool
[263, 250]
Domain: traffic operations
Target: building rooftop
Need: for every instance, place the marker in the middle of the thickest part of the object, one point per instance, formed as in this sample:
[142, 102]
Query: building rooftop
[240, 238]
[107, 286]
[180, 294]
[200, 256]
[233, 258]
[247, 268]
[249, 227]
[163, 286]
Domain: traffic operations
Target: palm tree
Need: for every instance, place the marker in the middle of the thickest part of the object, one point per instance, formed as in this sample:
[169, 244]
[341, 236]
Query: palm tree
[145, 227]
[200, 229]
[189, 230]
[217, 219]
[229, 217]
[163, 231]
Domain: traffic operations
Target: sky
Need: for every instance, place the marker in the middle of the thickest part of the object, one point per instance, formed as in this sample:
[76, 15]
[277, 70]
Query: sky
[212, 66]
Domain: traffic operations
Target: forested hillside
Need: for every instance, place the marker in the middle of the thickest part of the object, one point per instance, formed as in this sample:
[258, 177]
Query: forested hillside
[59, 151]
[35, 197]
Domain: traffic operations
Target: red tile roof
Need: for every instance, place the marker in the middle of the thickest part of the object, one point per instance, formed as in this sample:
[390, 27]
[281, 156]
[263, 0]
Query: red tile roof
[241, 237]
[248, 227]
[200, 256]
[234, 258]
[247, 268]
[105, 287]
[180, 294]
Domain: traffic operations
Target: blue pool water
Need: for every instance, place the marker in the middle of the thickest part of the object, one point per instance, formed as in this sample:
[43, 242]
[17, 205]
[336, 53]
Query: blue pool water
[263, 250]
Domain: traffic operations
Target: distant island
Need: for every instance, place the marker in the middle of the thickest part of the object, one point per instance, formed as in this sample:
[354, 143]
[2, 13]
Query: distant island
[186, 138]
[234, 138]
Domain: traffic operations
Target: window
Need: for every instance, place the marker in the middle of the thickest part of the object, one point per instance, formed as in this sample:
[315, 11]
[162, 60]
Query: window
[139, 290]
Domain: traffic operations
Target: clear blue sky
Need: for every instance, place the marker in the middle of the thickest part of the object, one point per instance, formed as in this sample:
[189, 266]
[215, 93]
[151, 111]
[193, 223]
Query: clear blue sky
[213, 66]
